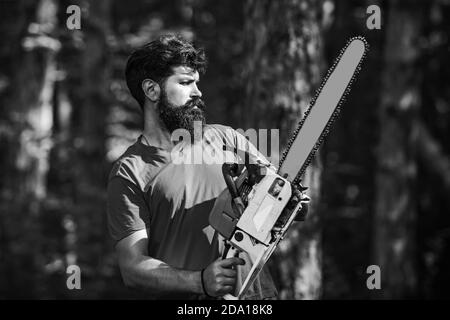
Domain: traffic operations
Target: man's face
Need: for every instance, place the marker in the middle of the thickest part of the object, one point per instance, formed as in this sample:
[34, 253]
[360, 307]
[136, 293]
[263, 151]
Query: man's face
[180, 103]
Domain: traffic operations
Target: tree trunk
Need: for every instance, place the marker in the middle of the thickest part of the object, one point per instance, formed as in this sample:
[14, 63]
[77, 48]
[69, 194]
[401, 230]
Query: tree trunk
[31, 105]
[28, 113]
[395, 210]
[89, 135]
[282, 70]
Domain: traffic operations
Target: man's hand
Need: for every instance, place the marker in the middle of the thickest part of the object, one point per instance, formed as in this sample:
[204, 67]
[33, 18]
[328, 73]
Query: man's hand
[219, 277]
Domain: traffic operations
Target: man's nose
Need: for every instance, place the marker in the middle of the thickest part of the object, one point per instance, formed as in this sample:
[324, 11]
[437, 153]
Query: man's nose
[196, 92]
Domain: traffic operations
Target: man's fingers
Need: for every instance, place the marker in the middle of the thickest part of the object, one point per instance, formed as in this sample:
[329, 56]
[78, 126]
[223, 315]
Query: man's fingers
[227, 289]
[230, 273]
[228, 282]
[231, 262]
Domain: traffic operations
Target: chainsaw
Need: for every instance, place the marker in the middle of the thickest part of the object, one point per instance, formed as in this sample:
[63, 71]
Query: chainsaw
[261, 202]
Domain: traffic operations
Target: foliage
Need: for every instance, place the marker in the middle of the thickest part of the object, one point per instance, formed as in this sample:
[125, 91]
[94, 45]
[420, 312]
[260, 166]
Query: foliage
[66, 115]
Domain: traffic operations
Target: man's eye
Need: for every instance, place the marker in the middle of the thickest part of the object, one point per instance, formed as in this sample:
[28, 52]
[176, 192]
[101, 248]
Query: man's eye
[185, 83]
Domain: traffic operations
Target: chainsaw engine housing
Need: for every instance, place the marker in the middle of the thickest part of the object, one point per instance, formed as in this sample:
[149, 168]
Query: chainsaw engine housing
[264, 202]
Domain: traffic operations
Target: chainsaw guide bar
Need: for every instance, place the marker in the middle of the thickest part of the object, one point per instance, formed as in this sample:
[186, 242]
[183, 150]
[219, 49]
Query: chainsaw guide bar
[323, 110]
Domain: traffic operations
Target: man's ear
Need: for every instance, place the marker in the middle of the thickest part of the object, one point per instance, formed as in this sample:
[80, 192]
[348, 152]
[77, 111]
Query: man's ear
[151, 89]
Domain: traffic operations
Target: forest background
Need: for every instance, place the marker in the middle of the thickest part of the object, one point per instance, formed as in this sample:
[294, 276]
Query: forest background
[380, 184]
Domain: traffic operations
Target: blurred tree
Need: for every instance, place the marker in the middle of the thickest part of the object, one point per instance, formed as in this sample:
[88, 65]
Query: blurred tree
[218, 27]
[396, 178]
[283, 68]
[85, 223]
[28, 117]
[433, 148]
[349, 160]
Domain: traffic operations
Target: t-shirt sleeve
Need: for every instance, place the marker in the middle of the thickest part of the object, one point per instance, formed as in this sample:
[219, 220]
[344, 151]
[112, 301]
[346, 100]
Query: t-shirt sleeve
[126, 208]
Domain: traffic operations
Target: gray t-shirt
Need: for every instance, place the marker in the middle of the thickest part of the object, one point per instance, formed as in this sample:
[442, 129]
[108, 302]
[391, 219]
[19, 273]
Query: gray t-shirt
[171, 197]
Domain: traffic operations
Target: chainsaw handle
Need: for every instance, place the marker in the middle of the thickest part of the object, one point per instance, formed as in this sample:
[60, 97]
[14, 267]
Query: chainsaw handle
[230, 253]
[230, 170]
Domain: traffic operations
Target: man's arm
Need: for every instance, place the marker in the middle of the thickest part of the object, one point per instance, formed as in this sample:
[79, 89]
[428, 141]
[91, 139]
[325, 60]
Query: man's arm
[145, 273]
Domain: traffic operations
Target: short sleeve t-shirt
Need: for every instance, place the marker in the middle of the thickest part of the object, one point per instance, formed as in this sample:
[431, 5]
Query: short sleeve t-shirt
[171, 194]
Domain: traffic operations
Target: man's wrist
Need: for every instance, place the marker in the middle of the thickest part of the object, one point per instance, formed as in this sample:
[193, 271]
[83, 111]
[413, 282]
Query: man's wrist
[202, 278]
[198, 282]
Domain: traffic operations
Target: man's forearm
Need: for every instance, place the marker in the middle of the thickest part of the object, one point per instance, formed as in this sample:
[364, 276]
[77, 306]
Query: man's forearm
[157, 277]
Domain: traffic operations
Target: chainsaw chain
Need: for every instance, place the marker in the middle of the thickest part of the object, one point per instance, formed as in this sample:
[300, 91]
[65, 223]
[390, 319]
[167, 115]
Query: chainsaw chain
[336, 112]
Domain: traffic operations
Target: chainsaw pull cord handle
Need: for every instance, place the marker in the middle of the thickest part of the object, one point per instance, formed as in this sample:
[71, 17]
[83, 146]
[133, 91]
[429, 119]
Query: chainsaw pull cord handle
[230, 170]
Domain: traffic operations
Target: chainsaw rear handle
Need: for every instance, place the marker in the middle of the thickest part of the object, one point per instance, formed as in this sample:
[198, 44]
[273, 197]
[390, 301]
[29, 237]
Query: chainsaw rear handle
[229, 171]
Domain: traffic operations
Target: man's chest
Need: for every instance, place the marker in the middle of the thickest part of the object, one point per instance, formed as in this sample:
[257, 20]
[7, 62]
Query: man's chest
[182, 186]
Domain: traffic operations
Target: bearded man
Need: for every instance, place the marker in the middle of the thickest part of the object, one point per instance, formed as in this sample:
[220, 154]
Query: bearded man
[158, 208]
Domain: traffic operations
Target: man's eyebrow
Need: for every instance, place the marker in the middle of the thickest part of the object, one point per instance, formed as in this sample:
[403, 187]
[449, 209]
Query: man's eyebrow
[197, 79]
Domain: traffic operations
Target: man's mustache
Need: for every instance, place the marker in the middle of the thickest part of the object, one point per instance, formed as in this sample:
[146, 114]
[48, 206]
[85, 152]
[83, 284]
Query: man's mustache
[195, 102]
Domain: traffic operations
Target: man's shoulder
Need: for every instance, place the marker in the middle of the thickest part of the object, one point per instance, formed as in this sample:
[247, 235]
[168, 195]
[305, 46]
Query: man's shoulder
[227, 133]
[127, 160]
[136, 164]
[219, 128]
[232, 137]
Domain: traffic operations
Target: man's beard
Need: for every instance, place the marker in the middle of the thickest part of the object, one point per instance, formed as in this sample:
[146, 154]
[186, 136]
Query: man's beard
[182, 117]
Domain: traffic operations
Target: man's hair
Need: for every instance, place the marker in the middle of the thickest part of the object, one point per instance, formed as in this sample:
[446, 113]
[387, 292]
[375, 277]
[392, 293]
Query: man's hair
[156, 59]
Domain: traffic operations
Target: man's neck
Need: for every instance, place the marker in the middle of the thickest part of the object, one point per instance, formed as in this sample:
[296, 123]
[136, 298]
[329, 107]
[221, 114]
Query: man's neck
[155, 133]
